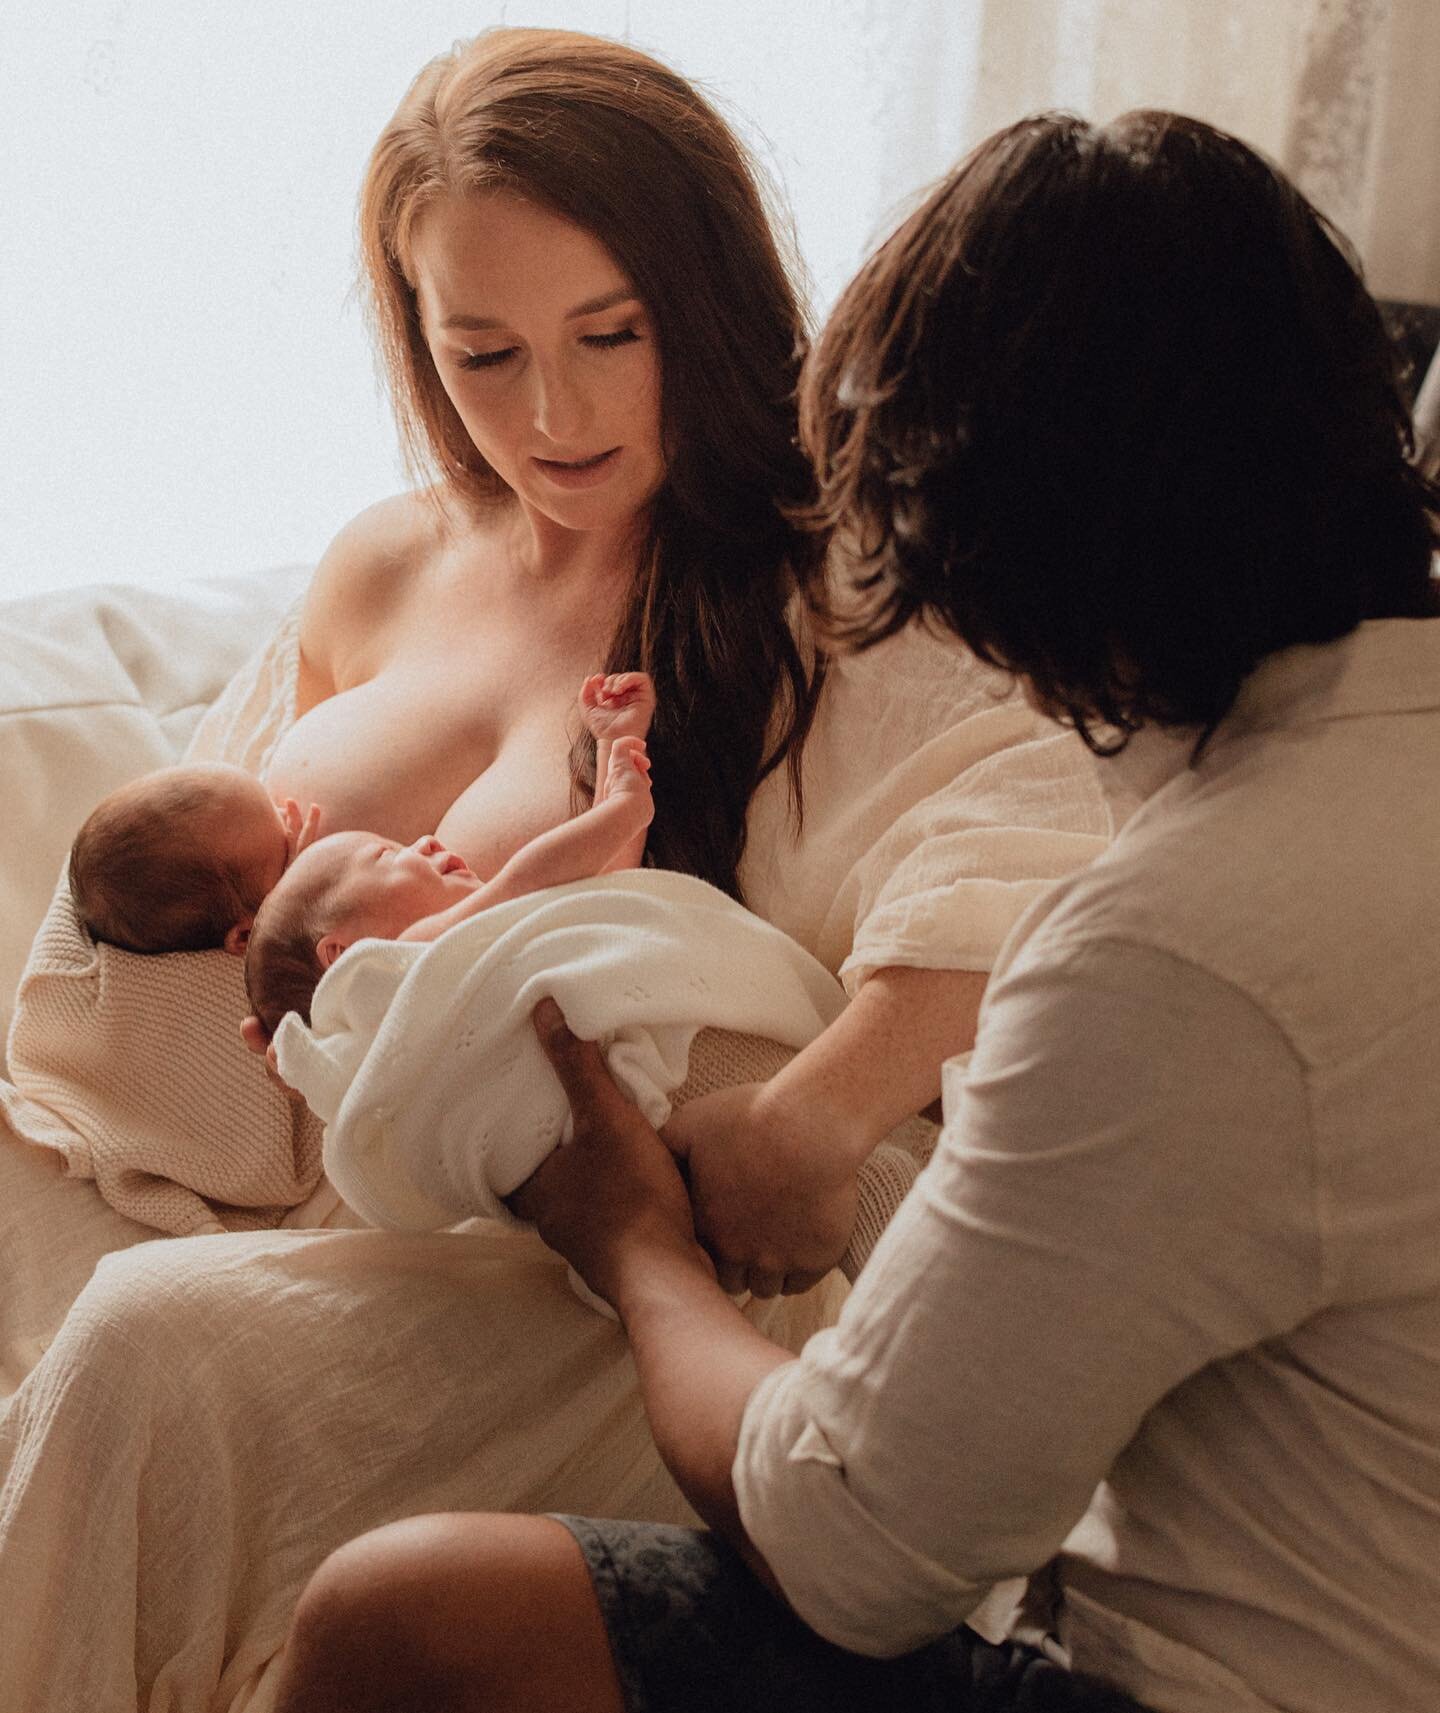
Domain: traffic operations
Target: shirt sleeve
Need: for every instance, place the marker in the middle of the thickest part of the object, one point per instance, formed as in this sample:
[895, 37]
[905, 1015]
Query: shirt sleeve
[1122, 1194]
[937, 806]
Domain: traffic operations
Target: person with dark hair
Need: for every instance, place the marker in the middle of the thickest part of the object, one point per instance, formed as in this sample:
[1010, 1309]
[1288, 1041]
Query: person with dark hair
[1158, 1329]
[592, 342]
[593, 345]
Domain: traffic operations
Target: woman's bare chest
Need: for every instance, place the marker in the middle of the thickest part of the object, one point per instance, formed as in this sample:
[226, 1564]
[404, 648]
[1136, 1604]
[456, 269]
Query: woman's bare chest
[460, 729]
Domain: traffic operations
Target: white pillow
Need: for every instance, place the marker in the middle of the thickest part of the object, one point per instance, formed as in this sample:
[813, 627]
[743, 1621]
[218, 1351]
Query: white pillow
[98, 685]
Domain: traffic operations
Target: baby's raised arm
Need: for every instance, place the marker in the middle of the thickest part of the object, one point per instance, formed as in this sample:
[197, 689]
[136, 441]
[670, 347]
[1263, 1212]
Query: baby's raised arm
[577, 849]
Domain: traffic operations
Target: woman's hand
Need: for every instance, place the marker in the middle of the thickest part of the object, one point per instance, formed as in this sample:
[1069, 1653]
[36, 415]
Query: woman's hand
[612, 1202]
[772, 1187]
[773, 1167]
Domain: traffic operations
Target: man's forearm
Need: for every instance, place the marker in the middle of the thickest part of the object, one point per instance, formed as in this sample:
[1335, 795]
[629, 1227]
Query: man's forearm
[698, 1360]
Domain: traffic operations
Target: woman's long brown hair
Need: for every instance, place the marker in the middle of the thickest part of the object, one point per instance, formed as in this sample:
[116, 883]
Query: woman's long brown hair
[613, 141]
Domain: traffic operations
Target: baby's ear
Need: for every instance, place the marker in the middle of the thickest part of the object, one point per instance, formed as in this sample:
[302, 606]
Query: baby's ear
[252, 1033]
[330, 948]
[238, 937]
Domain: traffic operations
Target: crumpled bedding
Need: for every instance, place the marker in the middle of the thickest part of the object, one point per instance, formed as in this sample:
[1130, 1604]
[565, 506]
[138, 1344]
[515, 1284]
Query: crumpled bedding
[216, 1413]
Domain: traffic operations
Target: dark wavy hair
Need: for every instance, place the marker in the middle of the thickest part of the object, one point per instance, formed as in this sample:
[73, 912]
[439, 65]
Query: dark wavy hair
[625, 148]
[1115, 408]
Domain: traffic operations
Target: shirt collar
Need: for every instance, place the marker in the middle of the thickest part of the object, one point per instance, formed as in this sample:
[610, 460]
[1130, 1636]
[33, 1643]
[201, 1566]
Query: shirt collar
[1383, 666]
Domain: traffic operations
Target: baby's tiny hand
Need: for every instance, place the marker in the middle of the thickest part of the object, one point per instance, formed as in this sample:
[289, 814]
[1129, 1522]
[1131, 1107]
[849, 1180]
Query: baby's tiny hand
[302, 828]
[618, 704]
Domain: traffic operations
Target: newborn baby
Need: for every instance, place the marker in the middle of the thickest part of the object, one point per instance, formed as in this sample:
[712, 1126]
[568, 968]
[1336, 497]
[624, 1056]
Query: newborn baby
[393, 987]
[357, 886]
[179, 860]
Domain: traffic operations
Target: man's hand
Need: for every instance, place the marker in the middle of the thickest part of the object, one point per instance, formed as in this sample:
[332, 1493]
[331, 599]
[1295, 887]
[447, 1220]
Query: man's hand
[773, 1195]
[612, 1202]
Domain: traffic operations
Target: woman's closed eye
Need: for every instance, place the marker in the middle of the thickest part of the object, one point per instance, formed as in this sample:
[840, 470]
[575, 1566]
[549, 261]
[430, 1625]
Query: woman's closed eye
[487, 359]
[609, 341]
[595, 341]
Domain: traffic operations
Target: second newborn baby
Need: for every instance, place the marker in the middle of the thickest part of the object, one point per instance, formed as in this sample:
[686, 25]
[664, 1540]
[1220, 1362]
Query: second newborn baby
[354, 886]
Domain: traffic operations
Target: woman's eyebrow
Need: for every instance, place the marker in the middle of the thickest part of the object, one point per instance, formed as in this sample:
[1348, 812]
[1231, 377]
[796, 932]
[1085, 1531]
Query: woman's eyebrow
[591, 306]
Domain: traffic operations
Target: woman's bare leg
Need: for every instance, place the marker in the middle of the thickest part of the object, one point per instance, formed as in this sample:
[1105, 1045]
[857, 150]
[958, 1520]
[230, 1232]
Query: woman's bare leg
[449, 1614]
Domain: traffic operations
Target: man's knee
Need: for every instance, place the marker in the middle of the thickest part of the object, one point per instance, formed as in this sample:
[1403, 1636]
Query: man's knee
[446, 1613]
[366, 1632]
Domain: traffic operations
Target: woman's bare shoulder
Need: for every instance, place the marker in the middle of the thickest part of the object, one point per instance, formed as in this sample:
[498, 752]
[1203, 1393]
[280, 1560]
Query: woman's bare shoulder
[378, 552]
[364, 580]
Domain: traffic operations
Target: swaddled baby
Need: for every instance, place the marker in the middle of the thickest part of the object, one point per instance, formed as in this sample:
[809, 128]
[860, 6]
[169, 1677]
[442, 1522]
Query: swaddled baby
[392, 987]
[355, 886]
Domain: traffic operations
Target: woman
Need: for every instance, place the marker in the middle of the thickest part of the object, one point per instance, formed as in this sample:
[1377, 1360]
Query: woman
[1160, 1326]
[592, 343]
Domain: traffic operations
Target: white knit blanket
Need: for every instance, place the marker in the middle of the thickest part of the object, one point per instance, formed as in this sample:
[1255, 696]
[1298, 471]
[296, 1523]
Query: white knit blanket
[422, 1061]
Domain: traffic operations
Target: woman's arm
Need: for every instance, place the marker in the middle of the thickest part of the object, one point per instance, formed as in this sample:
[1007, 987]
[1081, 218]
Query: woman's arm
[772, 1166]
[938, 805]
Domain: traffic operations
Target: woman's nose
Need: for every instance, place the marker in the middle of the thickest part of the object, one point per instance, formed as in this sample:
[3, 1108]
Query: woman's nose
[561, 407]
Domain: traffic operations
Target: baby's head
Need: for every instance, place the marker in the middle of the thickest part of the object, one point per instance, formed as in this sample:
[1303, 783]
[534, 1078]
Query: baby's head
[344, 888]
[179, 860]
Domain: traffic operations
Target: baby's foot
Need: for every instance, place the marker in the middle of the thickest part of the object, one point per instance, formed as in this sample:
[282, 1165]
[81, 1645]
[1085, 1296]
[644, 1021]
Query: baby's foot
[618, 704]
[629, 777]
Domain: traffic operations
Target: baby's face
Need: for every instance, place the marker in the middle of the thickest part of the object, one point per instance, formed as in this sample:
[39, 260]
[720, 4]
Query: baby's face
[379, 887]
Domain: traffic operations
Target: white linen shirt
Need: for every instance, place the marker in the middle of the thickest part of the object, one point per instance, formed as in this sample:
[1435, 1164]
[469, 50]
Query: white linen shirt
[1164, 1311]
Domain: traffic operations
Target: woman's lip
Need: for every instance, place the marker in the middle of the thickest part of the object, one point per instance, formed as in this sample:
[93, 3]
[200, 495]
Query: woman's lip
[579, 473]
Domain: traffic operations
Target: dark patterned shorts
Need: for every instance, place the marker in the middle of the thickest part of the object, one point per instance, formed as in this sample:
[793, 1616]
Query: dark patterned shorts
[692, 1631]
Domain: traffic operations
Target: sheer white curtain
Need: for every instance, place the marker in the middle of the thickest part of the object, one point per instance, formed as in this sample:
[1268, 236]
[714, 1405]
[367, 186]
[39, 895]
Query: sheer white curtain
[1345, 94]
[186, 385]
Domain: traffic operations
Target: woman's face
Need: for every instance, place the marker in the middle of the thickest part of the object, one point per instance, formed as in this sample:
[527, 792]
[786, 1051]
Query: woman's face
[546, 353]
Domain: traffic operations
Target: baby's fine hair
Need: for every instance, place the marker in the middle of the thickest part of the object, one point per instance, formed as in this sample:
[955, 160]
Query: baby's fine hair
[282, 968]
[142, 876]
